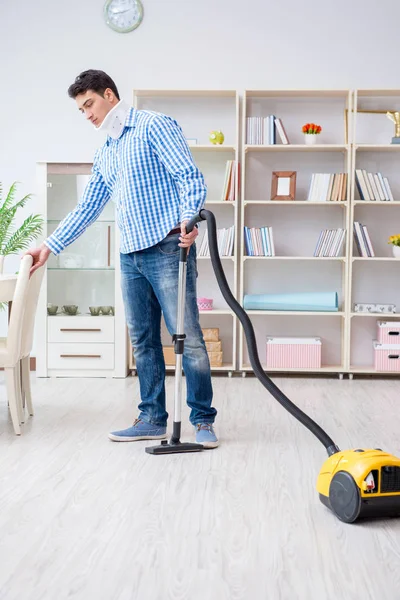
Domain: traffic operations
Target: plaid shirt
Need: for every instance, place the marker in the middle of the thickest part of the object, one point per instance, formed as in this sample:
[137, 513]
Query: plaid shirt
[151, 176]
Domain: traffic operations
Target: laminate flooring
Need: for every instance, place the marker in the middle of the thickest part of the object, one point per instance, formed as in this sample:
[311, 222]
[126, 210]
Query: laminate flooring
[82, 517]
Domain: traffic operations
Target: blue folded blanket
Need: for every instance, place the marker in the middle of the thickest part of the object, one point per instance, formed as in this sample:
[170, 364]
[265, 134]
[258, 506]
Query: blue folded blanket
[317, 301]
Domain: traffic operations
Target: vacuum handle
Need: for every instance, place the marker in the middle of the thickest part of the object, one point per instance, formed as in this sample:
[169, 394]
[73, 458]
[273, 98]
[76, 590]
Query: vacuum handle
[189, 228]
[194, 220]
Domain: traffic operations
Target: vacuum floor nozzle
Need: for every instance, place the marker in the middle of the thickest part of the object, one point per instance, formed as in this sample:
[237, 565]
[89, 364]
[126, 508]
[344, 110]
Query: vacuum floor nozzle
[174, 448]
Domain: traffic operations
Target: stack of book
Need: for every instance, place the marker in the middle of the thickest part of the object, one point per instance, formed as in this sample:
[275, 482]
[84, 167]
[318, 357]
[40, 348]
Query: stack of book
[262, 130]
[229, 190]
[330, 242]
[363, 241]
[373, 186]
[259, 241]
[225, 237]
[328, 187]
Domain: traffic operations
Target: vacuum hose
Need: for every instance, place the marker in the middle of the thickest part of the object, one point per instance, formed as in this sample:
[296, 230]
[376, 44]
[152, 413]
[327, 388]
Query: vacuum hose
[206, 215]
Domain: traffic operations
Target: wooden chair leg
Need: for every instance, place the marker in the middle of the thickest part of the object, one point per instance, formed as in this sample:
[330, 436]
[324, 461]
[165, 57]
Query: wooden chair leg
[10, 375]
[26, 385]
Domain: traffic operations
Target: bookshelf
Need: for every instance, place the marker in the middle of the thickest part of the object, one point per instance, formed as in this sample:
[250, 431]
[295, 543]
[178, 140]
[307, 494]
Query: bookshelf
[297, 223]
[199, 112]
[356, 134]
[373, 279]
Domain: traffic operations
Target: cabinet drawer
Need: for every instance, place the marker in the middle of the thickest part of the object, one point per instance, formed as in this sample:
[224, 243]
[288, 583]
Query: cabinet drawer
[80, 356]
[80, 329]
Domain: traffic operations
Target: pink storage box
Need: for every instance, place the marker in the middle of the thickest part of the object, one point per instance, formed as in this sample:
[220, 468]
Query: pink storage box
[386, 357]
[205, 303]
[388, 332]
[294, 353]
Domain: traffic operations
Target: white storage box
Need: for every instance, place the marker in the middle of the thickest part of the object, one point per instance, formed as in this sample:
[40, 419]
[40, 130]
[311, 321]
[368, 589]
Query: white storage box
[294, 352]
[388, 332]
[386, 357]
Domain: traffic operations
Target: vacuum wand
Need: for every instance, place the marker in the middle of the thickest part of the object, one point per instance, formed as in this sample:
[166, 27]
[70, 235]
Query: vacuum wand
[175, 445]
[206, 215]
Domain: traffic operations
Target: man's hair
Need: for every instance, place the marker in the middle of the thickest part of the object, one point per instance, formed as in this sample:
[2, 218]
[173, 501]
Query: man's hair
[98, 81]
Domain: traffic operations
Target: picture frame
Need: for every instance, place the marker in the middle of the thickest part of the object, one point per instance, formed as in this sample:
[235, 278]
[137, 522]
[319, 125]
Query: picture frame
[283, 185]
[351, 114]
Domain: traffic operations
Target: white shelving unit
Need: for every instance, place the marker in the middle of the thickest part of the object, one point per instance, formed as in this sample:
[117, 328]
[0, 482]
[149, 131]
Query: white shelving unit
[199, 112]
[85, 274]
[296, 224]
[356, 134]
[373, 279]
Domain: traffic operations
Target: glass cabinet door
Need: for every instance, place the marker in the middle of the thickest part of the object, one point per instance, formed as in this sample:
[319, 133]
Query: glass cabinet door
[83, 275]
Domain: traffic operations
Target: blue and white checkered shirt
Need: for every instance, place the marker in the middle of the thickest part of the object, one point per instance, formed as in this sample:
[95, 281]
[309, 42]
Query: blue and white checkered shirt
[149, 173]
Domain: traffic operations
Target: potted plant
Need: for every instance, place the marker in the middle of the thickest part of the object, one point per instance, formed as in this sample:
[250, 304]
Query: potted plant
[395, 241]
[14, 240]
[311, 130]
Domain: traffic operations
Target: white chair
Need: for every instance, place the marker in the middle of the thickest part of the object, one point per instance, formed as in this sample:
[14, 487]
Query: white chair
[10, 347]
[28, 328]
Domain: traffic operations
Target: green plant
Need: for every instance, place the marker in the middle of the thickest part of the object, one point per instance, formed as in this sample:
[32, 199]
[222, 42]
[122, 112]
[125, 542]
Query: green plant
[13, 241]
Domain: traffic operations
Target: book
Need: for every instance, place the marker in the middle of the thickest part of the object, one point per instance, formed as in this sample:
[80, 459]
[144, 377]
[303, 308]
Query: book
[328, 187]
[329, 242]
[259, 241]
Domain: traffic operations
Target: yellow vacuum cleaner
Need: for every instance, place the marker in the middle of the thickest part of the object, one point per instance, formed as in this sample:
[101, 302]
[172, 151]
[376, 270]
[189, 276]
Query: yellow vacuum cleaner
[354, 484]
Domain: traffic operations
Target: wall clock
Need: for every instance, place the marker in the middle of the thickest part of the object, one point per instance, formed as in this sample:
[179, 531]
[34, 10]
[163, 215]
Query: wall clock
[123, 15]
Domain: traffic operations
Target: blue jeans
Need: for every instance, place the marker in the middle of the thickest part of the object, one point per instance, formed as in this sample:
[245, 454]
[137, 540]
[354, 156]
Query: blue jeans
[149, 280]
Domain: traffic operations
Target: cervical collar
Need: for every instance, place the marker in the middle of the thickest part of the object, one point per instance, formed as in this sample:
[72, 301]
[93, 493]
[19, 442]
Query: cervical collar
[114, 121]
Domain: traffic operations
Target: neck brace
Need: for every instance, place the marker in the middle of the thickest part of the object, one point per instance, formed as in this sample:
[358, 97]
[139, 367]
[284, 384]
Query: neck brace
[114, 121]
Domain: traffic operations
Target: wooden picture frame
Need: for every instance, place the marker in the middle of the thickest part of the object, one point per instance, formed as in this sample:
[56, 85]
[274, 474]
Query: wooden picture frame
[283, 185]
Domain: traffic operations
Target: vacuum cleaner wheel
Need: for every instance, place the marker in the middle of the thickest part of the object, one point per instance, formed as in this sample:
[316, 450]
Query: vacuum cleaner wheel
[344, 497]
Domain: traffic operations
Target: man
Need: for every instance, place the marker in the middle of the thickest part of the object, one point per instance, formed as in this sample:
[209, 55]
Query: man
[146, 167]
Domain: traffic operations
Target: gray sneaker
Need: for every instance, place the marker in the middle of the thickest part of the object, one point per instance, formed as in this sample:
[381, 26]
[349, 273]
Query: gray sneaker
[205, 435]
[140, 430]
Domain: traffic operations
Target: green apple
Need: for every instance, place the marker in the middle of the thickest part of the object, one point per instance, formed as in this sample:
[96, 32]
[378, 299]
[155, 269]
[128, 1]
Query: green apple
[217, 137]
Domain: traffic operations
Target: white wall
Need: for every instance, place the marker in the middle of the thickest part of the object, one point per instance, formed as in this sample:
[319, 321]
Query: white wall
[232, 44]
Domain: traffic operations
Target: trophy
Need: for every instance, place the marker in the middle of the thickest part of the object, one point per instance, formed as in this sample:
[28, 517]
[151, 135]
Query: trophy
[395, 117]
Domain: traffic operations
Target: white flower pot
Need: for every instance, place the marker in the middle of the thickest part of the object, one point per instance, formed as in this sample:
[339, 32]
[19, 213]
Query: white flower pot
[310, 138]
[396, 251]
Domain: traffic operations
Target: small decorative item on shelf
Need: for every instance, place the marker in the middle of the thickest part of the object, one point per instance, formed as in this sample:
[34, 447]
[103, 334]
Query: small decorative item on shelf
[217, 137]
[395, 117]
[95, 311]
[311, 130]
[283, 185]
[70, 309]
[205, 303]
[395, 241]
[374, 308]
[106, 310]
[52, 309]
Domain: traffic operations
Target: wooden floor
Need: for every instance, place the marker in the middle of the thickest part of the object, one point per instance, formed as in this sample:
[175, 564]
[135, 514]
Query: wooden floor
[85, 518]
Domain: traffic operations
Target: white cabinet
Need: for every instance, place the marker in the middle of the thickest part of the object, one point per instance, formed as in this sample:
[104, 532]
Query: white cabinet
[80, 328]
